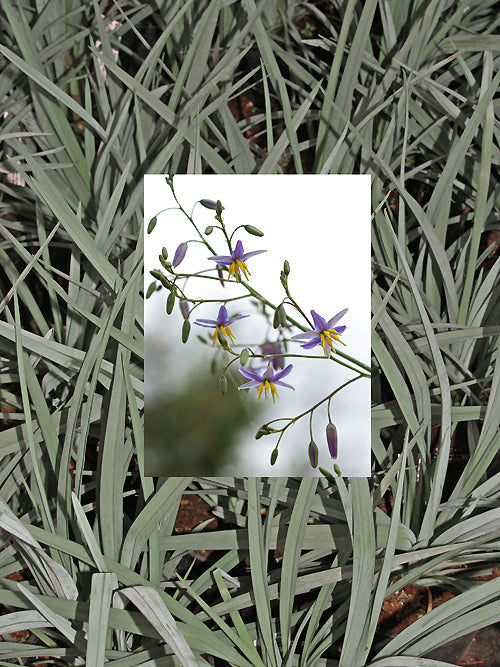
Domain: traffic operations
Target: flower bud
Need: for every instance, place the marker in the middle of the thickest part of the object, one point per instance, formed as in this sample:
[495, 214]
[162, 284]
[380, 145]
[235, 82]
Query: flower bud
[152, 224]
[337, 470]
[253, 230]
[213, 365]
[208, 203]
[244, 356]
[286, 267]
[326, 474]
[180, 253]
[331, 438]
[274, 456]
[221, 338]
[219, 208]
[313, 453]
[164, 252]
[170, 303]
[163, 279]
[209, 230]
[279, 319]
[186, 328]
[151, 289]
[223, 384]
[184, 305]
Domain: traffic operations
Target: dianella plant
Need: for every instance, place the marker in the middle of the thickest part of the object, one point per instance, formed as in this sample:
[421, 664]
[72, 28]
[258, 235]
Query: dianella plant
[101, 563]
[263, 365]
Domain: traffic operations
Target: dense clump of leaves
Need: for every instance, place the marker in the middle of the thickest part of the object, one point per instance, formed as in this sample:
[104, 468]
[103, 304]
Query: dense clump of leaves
[403, 91]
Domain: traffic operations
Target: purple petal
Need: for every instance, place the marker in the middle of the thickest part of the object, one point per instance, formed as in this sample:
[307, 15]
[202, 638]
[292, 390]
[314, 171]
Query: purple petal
[222, 316]
[284, 384]
[319, 322]
[251, 375]
[335, 319]
[340, 330]
[251, 254]
[306, 334]
[312, 343]
[238, 251]
[207, 323]
[222, 259]
[249, 385]
[282, 373]
[237, 317]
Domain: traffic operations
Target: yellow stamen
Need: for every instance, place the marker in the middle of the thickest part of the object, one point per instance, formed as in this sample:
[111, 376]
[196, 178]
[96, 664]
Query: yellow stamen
[235, 268]
[266, 386]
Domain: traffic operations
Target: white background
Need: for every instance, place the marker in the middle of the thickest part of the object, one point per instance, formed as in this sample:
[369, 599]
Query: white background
[321, 225]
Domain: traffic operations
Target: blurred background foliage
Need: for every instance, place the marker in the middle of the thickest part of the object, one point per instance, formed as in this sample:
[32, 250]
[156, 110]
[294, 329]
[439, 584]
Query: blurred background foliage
[92, 565]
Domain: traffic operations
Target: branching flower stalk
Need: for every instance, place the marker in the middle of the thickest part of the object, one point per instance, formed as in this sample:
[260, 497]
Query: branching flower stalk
[316, 332]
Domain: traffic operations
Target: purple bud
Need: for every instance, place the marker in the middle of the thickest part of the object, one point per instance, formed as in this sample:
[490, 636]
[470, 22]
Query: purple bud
[313, 454]
[209, 203]
[184, 309]
[331, 438]
[180, 253]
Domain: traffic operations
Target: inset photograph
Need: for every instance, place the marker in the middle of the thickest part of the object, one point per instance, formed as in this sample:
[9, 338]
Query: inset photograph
[257, 325]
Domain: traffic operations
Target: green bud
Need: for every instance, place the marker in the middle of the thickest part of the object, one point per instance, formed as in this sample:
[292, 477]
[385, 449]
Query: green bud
[253, 230]
[264, 430]
[337, 470]
[219, 208]
[282, 316]
[276, 318]
[326, 474]
[151, 289]
[223, 384]
[286, 267]
[170, 303]
[213, 366]
[164, 252]
[163, 279]
[274, 456]
[244, 356]
[186, 328]
[221, 338]
[209, 230]
[152, 224]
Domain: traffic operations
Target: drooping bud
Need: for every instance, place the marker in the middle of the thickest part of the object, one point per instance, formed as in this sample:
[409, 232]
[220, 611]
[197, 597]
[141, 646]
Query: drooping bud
[209, 203]
[331, 439]
[253, 230]
[209, 230]
[170, 303]
[244, 356]
[313, 453]
[180, 253]
[223, 384]
[279, 319]
[219, 208]
[151, 289]
[152, 224]
[184, 305]
[221, 338]
[274, 456]
[186, 328]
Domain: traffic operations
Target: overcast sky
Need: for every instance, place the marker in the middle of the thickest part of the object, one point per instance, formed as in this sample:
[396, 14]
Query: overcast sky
[321, 225]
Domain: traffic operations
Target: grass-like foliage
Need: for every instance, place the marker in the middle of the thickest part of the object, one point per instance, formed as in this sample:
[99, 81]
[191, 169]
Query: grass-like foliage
[401, 90]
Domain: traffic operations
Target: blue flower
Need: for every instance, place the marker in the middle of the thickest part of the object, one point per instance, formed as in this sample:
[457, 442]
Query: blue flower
[324, 332]
[236, 260]
[221, 323]
[266, 381]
